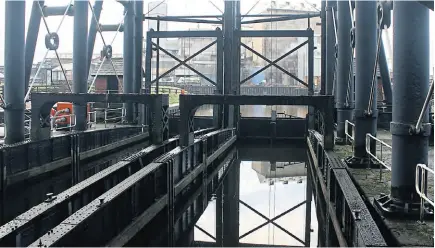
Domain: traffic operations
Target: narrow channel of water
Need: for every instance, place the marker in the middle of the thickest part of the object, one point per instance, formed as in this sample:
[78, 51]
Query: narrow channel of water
[271, 190]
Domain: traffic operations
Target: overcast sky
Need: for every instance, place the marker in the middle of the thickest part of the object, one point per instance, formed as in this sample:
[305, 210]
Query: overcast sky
[113, 11]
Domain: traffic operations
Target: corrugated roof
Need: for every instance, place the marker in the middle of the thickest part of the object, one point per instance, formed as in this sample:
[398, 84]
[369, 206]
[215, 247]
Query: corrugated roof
[107, 68]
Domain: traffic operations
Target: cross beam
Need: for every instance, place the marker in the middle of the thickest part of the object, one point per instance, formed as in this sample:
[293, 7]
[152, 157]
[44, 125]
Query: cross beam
[274, 63]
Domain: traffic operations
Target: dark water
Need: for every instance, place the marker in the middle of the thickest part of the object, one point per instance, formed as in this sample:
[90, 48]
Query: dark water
[271, 192]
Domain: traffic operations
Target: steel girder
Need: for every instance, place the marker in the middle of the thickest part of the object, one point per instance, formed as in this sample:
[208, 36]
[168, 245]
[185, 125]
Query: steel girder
[175, 174]
[42, 102]
[189, 104]
[50, 213]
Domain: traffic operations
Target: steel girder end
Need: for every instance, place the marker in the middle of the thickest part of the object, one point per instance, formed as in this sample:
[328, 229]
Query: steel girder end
[360, 162]
[391, 208]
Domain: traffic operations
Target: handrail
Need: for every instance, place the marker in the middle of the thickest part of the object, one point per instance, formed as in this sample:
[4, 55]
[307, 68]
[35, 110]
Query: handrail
[423, 184]
[349, 136]
[379, 160]
[116, 118]
[422, 168]
[70, 125]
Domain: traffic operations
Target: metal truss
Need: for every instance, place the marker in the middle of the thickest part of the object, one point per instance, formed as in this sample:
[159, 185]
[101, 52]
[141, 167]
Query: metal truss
[186, 34]
[272, 221]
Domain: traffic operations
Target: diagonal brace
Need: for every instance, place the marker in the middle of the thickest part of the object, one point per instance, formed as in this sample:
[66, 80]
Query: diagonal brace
[205, 232]
[185, 61]
[274, 63]
[181, 62]
[272, 221]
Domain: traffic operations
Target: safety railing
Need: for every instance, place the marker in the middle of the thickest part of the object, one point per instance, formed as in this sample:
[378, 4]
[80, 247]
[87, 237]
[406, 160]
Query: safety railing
[420, 187]
[92, 118]
[113, 115]
[349, 132]
[63, 122]
[380, 158]
[283, 115]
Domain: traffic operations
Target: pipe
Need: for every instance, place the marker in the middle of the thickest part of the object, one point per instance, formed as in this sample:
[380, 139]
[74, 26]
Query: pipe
[365, 49]
[14, 71]
[93, 29]
[330, 46]
[58, 10]
[229, 26]
[323, 49]
[385, 75]
[31, 39]
[411, 86]
[344, 88]
[138, 50]
[111, 28]
[80, 59]
[128, 59]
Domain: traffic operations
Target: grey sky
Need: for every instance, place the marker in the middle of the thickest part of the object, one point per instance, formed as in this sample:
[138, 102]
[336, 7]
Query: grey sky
[113, 11]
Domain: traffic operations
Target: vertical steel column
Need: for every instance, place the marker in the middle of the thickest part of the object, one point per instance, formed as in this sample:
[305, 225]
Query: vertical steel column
[127, 80]
[311, 77]
[217, 109]
[148, 59]
[138, 37]
[93, 29]
[31, 39]
[231, 199]
[330, 46]
[309, 197]
[344, 88]
[14, 71]
[411, 85]
[80, 59]
[219, 215]
[365, 51]
[385, 75]
[237, 67]
[229, 25]
[323, 48]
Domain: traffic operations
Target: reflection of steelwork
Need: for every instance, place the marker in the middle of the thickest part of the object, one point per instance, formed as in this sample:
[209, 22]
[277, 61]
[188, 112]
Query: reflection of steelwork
[282, 170]
[272, 221]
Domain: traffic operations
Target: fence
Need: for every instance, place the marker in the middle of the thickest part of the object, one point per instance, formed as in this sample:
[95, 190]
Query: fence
[379, 159]
[420, 172]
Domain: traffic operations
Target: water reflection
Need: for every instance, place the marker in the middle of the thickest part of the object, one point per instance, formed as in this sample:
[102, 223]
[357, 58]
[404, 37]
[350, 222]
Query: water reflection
[271, 189]
[259, 110]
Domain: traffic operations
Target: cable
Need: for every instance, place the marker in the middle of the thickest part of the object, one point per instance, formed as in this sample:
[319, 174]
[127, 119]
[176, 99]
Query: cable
[45, 56]
[372, 89]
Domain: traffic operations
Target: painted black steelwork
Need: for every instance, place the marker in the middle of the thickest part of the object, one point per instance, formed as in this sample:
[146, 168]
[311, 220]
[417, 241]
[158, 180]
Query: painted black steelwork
[128, 59]
[93, 29]
[323, 48]
[342, 208]
[229, 59]
[344, 86]
[158, 104]
[138, 51]
[31, 39]
[365, 113]
[76, 197]
[163, 180]
[189, 104]
[80, 62]
[331, 6]
[411, 74]
[14, 71]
